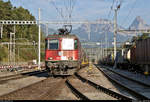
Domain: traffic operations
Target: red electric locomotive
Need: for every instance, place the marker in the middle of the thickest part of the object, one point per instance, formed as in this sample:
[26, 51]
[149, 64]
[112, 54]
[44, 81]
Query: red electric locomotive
[63, 53]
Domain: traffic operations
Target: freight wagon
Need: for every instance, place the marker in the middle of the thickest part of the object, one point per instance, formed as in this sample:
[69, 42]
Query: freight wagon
[133, 56]
[140, 54]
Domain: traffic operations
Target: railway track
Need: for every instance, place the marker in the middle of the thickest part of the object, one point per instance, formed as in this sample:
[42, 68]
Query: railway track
[5, 79]
[47, 89]
[129, 78]
[97, 87]
[47, 93]
[76, 92]
[138, 89]
[37, 90]
[11, 95]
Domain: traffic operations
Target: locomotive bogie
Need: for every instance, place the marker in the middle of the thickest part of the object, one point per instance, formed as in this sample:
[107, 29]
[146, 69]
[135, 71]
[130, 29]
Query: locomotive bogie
[62, 67]
[70, 64]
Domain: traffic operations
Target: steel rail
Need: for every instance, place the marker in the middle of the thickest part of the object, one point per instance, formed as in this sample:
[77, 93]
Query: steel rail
[144, 84]
[4, 79]
[23, 88]
[17, 74]
[75, 91]
[103, 89]
[138, 95]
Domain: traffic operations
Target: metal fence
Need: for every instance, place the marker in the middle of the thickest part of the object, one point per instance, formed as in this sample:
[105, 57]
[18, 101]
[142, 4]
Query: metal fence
[15, 63]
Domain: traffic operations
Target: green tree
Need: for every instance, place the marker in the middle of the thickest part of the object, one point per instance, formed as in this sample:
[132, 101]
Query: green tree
[30, 32]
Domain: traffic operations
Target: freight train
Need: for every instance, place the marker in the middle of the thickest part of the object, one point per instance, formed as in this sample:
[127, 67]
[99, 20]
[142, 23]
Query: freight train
[133, 56]
[63, 53]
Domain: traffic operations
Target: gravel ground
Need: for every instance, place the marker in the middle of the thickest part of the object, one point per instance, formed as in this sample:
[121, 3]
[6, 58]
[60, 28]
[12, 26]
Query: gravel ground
[7, 73]
[55, 88]
[13, 85]
[144, 90]
[89, 91]
[135, 76]
[49, 89]
[96, 76]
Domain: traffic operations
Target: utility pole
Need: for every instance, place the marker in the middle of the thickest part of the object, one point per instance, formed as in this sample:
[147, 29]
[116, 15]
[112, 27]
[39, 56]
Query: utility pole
[11, 48]
[115, 33]
[39, 44]
[8, 54]
[18, 56]
[89, 32]
[14, 45]
[1, 31]
[46, 29]
[106, 43]
[101, 51]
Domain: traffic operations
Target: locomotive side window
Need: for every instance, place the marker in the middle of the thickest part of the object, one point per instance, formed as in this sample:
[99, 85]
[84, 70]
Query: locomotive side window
[46, 44]
[53, 44]
[75, 44]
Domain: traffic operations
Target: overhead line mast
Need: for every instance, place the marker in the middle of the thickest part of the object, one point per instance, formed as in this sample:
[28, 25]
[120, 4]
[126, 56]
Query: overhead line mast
[39, 44]
[115, 33]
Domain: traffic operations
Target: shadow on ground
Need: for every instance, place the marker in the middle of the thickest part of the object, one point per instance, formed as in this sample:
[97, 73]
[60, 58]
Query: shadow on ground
[43, 73]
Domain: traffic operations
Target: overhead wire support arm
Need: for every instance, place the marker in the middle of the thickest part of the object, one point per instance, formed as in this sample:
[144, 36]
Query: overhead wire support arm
[22, 22]
[17, 22]
[133, 31]
[74, 22]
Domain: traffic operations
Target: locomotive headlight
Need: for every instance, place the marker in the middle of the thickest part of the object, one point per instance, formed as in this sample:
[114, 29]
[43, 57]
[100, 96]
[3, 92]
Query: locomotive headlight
[60, 53]
[50, 58]
[70, 58]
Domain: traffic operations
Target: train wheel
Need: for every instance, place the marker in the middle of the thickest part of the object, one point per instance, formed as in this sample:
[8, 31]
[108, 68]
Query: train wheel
[65, 71]
[48, 71]
[50, 74]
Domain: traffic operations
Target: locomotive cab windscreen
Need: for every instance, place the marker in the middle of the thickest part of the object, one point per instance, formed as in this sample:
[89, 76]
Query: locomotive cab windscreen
[52, 44]
[66, 44]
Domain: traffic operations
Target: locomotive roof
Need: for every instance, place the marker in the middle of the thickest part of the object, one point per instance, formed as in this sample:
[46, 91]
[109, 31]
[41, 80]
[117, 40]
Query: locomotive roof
[61, 36]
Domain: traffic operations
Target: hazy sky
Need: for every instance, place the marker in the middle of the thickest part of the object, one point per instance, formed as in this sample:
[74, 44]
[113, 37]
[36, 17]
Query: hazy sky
[89, 9]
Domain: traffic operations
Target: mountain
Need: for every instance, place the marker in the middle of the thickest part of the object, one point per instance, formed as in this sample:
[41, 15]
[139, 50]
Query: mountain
[139, 23]
[98, 32]
[44, 30]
